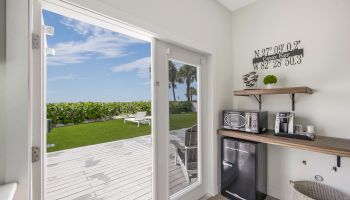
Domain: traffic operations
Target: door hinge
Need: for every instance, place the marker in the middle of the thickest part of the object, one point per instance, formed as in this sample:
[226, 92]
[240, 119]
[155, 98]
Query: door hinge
[156, 83]
[35, 41]
[35, 154]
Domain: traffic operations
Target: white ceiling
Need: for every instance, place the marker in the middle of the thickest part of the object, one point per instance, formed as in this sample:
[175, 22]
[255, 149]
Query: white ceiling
[235, 4]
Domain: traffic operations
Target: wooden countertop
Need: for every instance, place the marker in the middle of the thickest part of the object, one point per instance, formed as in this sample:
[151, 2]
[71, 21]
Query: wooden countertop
[321, 144]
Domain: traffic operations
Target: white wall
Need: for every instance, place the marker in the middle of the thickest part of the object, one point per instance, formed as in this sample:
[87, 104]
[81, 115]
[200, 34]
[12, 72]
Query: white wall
[323, 26]
[2, 88]
[17, 97]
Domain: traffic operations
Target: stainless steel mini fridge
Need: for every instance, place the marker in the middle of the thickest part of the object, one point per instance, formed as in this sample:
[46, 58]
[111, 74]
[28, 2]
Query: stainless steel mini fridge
[243, 169]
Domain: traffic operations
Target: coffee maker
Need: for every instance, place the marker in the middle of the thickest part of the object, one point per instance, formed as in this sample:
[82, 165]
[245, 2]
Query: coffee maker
[284, 122]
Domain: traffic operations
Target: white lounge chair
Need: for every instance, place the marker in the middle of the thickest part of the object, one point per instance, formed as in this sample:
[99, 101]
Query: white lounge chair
[140, 117]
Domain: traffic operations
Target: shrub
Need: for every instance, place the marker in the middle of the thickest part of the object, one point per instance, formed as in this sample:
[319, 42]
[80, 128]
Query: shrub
[65, 113]
[270, 79]
[176, 107]
[74, 113]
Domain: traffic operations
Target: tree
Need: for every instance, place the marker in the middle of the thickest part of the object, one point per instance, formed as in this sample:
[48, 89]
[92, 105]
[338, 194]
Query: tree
[193, 92]
[188, 74]
[173, 77]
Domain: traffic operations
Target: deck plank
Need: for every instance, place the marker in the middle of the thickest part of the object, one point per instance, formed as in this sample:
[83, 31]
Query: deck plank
[114, 170]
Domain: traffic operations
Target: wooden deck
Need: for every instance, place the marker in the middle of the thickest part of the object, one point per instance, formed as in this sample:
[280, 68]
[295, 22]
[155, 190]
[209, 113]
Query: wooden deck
[108, 171]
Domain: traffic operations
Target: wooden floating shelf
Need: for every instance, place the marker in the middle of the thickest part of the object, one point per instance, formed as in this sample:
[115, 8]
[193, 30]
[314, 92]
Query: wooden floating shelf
[288, 90]
[257, 93]
[322, 144]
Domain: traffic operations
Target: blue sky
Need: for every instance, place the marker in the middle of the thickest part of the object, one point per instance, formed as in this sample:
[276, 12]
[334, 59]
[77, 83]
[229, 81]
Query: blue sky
[96, 64]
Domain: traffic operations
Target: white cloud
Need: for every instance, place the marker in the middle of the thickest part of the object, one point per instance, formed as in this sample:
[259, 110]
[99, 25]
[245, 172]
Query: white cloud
[80, 27]
[65, 77]
[141, 66]
[96, 43]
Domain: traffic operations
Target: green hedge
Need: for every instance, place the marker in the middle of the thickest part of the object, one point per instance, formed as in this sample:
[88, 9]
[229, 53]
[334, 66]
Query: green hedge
[66, 113]
[176, 107]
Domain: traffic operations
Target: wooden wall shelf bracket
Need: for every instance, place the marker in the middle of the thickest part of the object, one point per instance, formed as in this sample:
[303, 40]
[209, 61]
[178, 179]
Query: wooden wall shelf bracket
[293, 101]
[257, 93]
[259, 100]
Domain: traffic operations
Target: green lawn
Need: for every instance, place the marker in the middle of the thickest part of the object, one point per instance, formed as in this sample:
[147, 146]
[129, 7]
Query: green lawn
[100, 132]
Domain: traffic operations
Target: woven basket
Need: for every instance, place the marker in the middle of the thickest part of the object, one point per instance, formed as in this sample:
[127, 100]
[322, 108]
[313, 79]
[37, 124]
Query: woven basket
[308, 190]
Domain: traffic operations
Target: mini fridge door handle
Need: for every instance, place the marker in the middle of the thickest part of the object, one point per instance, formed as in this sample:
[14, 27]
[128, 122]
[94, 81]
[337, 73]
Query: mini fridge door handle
[226, 164]
[235, 195]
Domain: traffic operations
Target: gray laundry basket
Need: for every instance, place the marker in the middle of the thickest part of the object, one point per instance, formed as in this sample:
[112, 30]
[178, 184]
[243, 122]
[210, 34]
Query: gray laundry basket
[308, 190]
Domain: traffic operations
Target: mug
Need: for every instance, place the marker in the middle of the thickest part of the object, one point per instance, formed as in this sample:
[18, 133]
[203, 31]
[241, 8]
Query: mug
[299, 128]
[310, 129]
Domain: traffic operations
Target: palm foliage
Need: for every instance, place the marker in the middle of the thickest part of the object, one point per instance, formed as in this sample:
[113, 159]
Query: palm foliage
[193, 92]
[173, 77]
[188, 74]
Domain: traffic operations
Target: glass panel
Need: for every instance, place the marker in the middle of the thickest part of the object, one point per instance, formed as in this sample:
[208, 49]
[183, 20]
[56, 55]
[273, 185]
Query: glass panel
[98, 112]
[183, 120]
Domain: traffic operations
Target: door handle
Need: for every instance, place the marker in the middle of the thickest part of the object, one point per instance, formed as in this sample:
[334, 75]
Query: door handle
[226, 164]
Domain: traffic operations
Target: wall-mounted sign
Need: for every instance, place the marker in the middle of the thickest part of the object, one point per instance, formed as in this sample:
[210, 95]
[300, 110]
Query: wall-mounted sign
[285, 54]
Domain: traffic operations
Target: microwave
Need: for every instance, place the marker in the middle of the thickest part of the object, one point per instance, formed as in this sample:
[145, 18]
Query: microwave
[247, 121]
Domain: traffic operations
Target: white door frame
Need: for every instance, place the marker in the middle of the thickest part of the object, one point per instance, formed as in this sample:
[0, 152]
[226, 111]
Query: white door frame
[37, 87]
[38, 77]
[209, 167]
